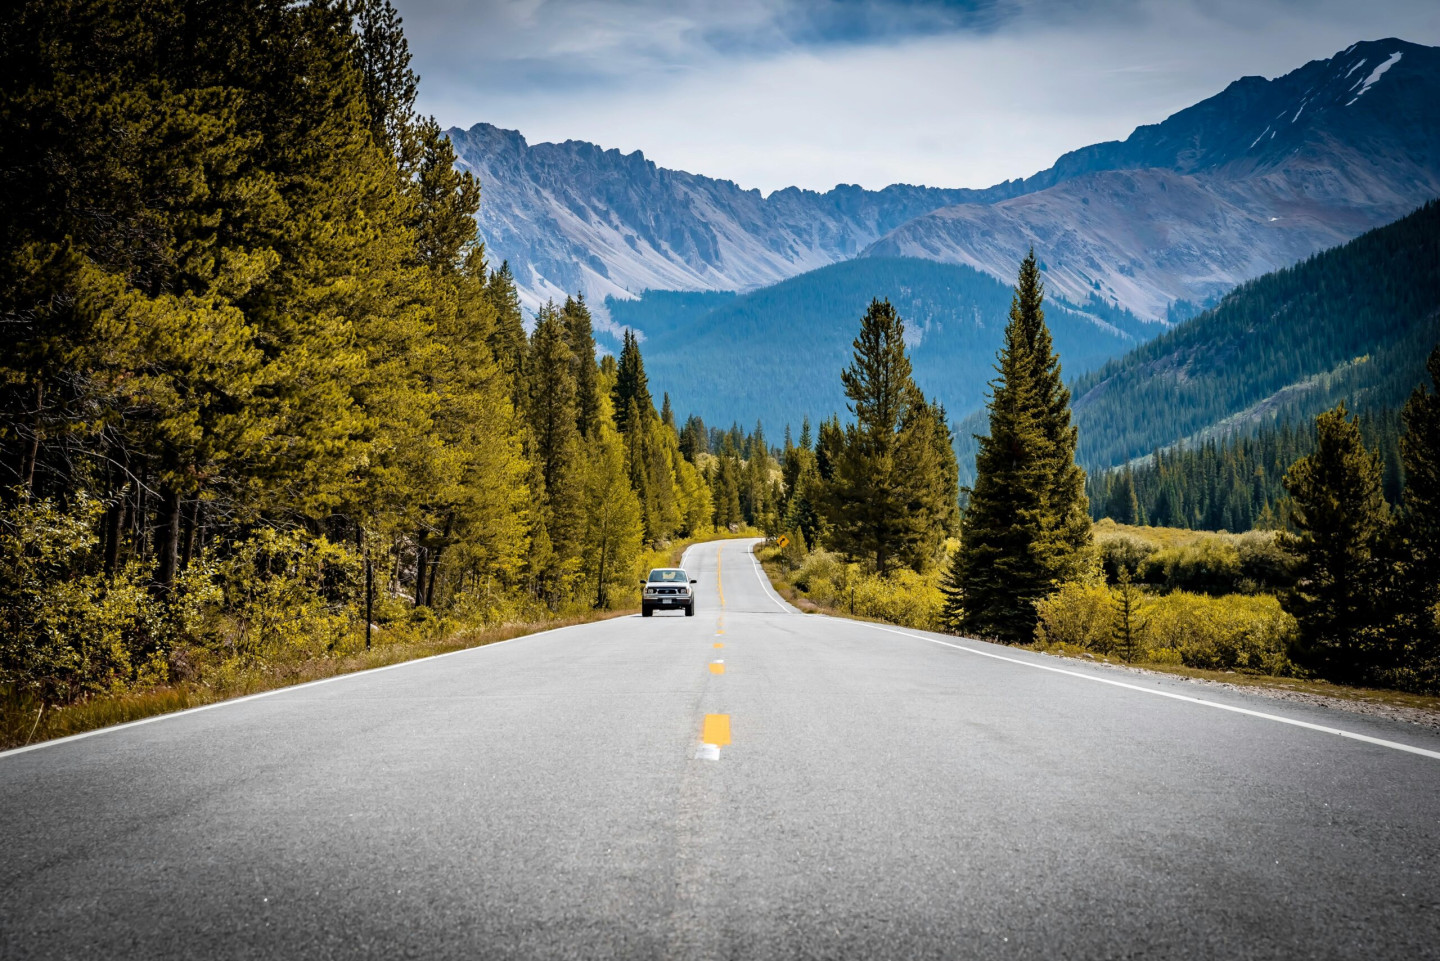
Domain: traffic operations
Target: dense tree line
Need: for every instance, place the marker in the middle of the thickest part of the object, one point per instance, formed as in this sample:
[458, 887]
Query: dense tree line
[1354, 323]
[248, 324]
[1367, 595]
[1232, 484]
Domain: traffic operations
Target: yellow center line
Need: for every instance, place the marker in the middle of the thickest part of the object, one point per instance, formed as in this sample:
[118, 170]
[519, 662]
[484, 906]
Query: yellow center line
[719, 581]
[716, 730]
[718, 644]
[717, 667]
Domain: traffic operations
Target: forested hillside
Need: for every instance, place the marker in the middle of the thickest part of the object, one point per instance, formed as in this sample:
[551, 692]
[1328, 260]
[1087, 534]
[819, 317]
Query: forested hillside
[770, 354]
[254, 361]
[1353, 323]
[1234, 484]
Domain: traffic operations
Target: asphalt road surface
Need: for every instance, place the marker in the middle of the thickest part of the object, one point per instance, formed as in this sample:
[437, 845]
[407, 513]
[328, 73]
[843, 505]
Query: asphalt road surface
[832, 790]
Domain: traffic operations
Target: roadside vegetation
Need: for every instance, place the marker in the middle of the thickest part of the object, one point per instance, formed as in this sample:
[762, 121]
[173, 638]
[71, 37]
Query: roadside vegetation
[262, 395]
[1347, 592]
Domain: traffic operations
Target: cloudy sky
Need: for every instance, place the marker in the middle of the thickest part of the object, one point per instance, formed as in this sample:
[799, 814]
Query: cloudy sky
[771, 93]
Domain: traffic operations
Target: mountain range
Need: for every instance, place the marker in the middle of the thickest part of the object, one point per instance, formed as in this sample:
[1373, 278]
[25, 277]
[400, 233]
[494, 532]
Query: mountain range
[1253, 179]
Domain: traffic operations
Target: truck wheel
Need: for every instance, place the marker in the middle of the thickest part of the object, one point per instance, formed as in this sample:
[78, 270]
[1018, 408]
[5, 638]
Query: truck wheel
[645, 610]
[690, 609]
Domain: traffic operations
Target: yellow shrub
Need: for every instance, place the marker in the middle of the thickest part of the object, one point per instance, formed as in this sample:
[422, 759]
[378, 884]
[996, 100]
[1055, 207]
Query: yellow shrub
[1078, 614]
[1236, 631]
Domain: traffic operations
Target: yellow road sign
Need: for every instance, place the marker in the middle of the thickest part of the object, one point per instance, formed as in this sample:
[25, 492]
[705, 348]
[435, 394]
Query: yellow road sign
[783, 541]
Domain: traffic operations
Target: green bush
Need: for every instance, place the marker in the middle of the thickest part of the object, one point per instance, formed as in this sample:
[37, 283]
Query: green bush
[1233, 632]
[1119, 549]
[288, 595]
[1210, 565]
[1264, 563]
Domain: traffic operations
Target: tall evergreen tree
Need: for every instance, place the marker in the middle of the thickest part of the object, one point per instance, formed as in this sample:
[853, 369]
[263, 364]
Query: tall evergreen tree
[1340, 515]
[580, 331]
[1027, 527]
[551, 414]
[612, 532]
[885, 497]
[1419, 529]
[631, 384]
[507, 340]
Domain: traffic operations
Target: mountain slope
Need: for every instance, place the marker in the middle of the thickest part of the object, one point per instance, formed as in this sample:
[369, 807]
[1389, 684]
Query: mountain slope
[573, 217]
[1354, 323]
[1249, 181]
[776, 354]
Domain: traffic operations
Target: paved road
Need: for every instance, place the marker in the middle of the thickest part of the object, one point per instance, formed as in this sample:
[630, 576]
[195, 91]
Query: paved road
[882, 796]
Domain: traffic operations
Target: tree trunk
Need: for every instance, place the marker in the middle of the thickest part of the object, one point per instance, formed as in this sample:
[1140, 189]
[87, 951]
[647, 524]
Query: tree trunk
[167, 538]
[192, 529]
[114, 531]
[138, 515]
[435, 561]
[421, 559]
[32, 450]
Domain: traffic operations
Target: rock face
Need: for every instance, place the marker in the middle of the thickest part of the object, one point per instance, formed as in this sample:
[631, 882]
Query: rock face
[573, 217]
[1252, 179]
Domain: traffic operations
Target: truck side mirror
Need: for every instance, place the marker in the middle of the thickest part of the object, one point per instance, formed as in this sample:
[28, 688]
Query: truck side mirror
[693, 581]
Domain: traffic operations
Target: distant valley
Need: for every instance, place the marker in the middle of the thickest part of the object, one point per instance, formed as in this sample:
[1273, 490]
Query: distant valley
[747, 303]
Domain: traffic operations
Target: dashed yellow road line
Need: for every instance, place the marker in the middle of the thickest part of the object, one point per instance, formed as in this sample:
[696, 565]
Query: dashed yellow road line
[716, 730]
[718, 644]
[719, 581]
[717, 667]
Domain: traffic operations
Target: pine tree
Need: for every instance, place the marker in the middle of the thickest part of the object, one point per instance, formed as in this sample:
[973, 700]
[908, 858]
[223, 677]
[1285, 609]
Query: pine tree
[556, 444]
[631, 384]
[1340, 515]
[612, 533]
[886, 495]
[1125, 636]
[508, 342]
[1419, 531]
[581, 336]
[1027, 528]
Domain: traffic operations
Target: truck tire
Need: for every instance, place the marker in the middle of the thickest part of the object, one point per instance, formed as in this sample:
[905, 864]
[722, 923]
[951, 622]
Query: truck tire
[645, 610]
[690, 609]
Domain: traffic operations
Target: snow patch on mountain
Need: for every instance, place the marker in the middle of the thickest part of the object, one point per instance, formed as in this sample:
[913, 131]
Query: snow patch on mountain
[1376, 74]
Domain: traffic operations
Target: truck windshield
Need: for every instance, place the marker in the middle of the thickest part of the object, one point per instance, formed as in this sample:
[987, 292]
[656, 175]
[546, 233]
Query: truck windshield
[677, 577]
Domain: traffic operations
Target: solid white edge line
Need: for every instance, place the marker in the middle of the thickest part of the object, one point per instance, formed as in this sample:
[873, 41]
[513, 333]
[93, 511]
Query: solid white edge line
[765, 582]
[229, 702]
[1393, 745]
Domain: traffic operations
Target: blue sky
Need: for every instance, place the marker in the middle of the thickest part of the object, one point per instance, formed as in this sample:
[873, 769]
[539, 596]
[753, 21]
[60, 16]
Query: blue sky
[773, 93]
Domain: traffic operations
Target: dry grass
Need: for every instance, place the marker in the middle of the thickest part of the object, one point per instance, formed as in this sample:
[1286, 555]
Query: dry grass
[1160, 536]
